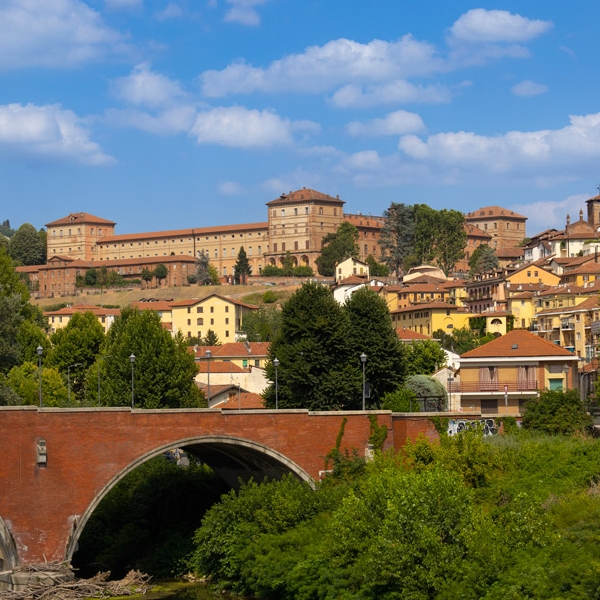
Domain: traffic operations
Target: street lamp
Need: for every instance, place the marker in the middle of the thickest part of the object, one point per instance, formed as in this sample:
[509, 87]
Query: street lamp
[99, 359]
[363, 360]
[132, 361]
[40, 351]
[208, 355]
[69, 378]
[276, 365]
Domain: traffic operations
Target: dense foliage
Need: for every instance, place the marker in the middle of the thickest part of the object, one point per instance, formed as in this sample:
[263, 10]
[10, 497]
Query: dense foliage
[27, 246]
[163, 372]
[507, 517]
[319, 344]
[483, 259]
[557, 412]
[242, 268]
[337, 247]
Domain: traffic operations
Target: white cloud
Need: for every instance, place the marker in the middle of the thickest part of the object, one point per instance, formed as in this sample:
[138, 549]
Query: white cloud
[529, 88]
[169, 121]
[53, 33]
[46, 133]
[399, 122]
[546, 154]
[545, 214]
[231, 188]
[238, 127]
[171, 11]
[394, 92]
[244, 12]
[145, 88]
[480, 25]
[322, 68]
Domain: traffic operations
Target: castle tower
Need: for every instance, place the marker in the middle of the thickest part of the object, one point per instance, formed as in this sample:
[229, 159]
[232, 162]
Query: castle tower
[593, 212]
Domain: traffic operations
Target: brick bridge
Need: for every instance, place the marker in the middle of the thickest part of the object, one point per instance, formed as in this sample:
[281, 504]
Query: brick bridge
[56, 465]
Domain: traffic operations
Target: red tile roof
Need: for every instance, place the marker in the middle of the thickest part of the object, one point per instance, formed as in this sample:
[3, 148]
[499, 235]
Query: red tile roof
[517, 343]
[80, 217]
[408, 335]
[80, 308]
[305, 195]
[234, 349]
[493, 211]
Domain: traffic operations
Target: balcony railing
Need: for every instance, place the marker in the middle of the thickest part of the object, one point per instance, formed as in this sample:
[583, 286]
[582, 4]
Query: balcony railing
[567, 324]
[464, 387]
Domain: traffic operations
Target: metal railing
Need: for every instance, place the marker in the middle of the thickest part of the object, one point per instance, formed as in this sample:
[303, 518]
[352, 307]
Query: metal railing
[492, 386]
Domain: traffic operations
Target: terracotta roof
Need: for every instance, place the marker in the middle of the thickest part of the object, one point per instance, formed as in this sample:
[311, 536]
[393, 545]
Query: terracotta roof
[517, 343]
[80, 217]
[305, 195]
[474, 231]
[247, 400]
[194, 301]
[80, 308]
[197, 231]
[219, 366]
[509, 252]
[363, 221]
[352, 280]
[424, 279]
[408, 335]
[591, 267]
[493, 211]
[155, 305]
[233, 349]
[143, 260]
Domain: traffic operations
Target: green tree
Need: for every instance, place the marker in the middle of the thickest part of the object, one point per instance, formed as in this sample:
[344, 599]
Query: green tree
[397, 236]
[424, 357]
[483, 259]
[4, 243]
[271, 271]
[451, 239]
[76, 344]
[429, 392]
[377, 269]
[556, 412]
[372, 332]
[160, 273]
[461, 340]
[211, 339]
[337, 247]
[214, 275]
[288, 264]
[242, 268]
[164, 369]
[317, 367]
[203, 276]
[427, 233]
[90, 278]
[24, 381]
[43, 235]
[29, 337]
[6, 230]
[146, 276]
[401, 400]
[262, 325]
[26, 246]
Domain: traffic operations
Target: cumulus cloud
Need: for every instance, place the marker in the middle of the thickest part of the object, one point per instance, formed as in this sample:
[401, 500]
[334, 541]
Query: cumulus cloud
[545, 214]
[230, 188]
[480, 25]
[394, 92]
[322, 68]
[174, 120]
[46, 133]
[171, 11]
[53, 33]
[244, 12]
[399, 122]
[238, 127]
[144, 87]
[551, 151]
[529, 88]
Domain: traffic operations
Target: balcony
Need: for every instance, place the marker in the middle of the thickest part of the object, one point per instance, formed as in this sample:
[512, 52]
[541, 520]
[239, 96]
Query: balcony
[567, 324]
[465, 387]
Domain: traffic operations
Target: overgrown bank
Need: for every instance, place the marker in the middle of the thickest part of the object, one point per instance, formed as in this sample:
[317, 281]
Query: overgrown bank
[508, 517]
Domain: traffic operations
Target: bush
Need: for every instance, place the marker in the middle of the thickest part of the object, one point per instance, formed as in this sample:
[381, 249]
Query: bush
[556, 412]
[269, 297]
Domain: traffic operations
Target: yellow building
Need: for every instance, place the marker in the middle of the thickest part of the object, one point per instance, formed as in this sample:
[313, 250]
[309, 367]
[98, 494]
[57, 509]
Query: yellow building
[500, 376]
[351, 267]
[161, 307]
[522, 307]
[427, 318]
[531, 273]
[223, 316]
[57, 319]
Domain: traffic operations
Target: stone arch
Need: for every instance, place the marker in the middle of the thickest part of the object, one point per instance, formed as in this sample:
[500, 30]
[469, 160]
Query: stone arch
[272, 262]
[9, 557]
[304, 260]
[231, 458]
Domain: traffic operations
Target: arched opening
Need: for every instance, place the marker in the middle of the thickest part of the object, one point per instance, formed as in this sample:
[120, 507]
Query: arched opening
[232, 459]
[8, 550]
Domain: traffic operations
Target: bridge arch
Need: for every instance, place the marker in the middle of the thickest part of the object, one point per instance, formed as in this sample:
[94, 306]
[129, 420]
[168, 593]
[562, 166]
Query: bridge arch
[232, 458]
[9, 558]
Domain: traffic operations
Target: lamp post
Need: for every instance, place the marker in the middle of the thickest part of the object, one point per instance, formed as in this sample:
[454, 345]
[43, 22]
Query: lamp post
[40, 351]
[208, 355]
[69, 378]
[276, 365]
[132, 361]
[363, 360]
[99, 359]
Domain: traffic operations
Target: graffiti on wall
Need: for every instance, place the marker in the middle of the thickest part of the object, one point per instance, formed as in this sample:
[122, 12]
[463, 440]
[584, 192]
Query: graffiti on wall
[487, 426]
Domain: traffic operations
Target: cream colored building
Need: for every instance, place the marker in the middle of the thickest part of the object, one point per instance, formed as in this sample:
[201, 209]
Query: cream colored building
[224, 316]
[57, 319]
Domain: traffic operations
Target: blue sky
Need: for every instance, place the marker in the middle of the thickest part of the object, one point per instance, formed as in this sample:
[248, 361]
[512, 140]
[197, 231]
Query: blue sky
[166, 114]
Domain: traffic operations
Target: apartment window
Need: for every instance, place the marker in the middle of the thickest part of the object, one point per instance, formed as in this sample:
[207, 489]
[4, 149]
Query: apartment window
[227, 309]
[212, 321]
[226, 320]
[189, 321]
[275, 247]
[283, 212]
[227, 333]
[200, 321]
[216, 253]
[488, 378]
[199, 309]
[259, 249]
[212, 309]
[224, 252]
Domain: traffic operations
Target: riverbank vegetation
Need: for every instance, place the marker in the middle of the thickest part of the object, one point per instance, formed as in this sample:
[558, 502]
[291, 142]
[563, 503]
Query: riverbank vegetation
[513, 516]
